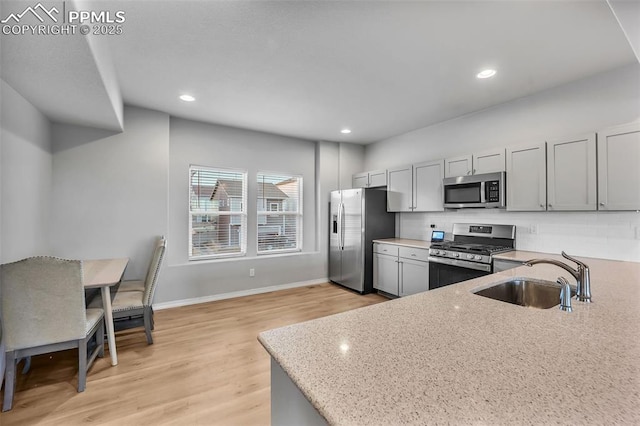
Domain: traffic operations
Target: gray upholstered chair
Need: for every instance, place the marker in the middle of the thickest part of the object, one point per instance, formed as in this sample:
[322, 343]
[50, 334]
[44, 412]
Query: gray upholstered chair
[43, 310]
[132, 302]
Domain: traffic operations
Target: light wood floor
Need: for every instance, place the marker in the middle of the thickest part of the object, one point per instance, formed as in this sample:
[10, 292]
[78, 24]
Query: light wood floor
[205, 366]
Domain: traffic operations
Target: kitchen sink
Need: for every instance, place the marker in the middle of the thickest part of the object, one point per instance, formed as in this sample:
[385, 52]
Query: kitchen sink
[531, 292]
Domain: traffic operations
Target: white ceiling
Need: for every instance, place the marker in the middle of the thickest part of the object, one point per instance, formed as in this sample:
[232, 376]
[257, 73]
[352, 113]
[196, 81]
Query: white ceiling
[382, 68]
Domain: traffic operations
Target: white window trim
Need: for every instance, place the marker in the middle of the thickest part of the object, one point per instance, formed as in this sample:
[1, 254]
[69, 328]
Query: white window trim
[243, 215]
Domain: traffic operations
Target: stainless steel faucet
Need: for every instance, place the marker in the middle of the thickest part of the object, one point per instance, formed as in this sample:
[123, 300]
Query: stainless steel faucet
[581, 274]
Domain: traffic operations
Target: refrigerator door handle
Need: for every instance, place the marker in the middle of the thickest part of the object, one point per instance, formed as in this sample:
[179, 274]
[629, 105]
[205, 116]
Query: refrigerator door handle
[342, 226]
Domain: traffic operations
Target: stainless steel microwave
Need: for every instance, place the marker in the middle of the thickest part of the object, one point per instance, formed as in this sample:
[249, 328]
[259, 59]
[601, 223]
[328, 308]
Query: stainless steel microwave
[475, 191]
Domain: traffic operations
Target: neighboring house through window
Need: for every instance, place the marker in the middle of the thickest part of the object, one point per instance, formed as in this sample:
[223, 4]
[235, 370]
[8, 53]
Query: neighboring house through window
[218, 199]
[279, 202]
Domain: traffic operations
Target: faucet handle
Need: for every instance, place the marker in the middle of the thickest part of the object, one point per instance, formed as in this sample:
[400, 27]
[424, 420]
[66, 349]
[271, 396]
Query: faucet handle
[573, 259]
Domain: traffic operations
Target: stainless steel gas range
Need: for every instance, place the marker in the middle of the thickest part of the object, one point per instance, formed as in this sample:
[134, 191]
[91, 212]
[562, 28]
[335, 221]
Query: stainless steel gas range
[470, 254]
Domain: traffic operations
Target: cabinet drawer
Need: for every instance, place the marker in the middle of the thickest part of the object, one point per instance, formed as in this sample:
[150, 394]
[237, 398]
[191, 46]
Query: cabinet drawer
[389, 249]
[414, 253]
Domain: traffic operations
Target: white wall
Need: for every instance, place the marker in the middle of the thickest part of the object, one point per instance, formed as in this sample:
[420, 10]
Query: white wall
[350, 161]
[25, 178]
[220, 146]
[110, 190]
[583, 106]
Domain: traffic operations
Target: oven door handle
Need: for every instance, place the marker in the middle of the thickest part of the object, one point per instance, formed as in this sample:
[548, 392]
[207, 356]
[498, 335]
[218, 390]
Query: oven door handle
[461, 263]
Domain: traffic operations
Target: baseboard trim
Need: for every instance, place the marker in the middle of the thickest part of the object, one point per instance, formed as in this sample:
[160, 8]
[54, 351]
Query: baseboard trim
[233, 294]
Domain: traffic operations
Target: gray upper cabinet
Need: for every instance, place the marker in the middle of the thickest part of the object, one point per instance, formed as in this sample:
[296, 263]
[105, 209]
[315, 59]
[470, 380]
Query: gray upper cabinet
[489, 162]
[377, 178]
[373, 179]
[400, 189]
[360, 180]
[416, 187]
[427, 186]
[571, 173]
[458, 166]
[618, 168]
[526, 178]
[483, 162]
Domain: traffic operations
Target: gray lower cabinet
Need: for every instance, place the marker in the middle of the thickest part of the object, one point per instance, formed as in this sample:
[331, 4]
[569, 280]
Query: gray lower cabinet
[399, 270]
[385, 273]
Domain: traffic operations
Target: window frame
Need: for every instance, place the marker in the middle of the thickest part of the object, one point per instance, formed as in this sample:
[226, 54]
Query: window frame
[199, 212]
[280, 212]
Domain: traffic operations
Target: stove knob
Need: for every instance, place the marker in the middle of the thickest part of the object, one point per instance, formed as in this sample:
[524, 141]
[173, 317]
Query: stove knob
[469, 256]
[478, 257]
[442, 252]
[456, 254]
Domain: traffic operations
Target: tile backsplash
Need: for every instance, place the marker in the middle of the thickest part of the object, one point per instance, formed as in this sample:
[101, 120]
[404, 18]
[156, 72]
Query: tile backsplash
[607, 235]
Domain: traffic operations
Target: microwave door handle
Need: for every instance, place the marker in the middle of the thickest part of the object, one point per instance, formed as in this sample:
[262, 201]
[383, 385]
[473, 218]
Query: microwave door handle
[483, 195]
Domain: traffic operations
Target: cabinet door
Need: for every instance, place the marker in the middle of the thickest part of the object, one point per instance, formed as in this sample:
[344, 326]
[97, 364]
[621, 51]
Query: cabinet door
[526, 178]
[427, 186]
[385, 273]
[414, 277]
[618, 170]
[399, 189]
[489, 162]
[458, 166]
[377, 178]
[360, 180]
[571, 173]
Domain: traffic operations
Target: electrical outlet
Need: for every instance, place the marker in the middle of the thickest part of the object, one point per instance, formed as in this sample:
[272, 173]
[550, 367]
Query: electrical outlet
[252, 272]
[533, 229]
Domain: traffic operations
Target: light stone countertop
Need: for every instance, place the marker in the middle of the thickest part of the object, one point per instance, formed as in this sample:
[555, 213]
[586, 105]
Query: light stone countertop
[448, 356]
[405, 242]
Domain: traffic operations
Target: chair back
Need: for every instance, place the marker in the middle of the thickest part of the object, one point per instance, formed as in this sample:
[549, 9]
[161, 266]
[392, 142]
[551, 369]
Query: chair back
[151, 280]
[42, 302]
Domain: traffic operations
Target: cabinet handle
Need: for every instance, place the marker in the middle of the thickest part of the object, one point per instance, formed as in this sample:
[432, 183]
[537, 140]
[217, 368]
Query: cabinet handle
[413, 254]
[468, 172]
[542, 206]
[474, 171]
[602, 204]
[550, 205]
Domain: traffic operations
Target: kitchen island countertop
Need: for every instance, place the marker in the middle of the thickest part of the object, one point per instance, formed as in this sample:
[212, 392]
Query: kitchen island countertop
[450, 356]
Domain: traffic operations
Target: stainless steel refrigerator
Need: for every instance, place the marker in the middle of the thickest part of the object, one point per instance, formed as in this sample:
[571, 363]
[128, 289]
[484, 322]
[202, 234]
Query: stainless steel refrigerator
[357, 217]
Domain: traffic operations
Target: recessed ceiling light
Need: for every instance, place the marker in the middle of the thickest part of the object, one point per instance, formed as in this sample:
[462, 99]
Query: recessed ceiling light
[345, 131]
[187, 98]
[486, 73]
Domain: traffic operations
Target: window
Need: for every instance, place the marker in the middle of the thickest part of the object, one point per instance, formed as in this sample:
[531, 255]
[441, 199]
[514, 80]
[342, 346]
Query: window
[279, 213]
[218, 220]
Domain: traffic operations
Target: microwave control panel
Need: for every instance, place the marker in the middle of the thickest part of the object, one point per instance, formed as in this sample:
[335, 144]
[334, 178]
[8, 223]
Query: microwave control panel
[493, 191]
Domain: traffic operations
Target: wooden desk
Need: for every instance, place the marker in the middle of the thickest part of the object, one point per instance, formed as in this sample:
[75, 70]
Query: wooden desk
[104, 273]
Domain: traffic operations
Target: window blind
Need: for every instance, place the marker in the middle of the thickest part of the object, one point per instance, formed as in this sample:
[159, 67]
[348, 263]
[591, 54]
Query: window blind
[279, 205]
[218, 217]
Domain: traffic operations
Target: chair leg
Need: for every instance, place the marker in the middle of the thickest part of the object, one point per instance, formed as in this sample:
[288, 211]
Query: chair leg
[100, 338]
[27, 365]
[148, 323]
[153, 323]
[9, 380]
[82, 364]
